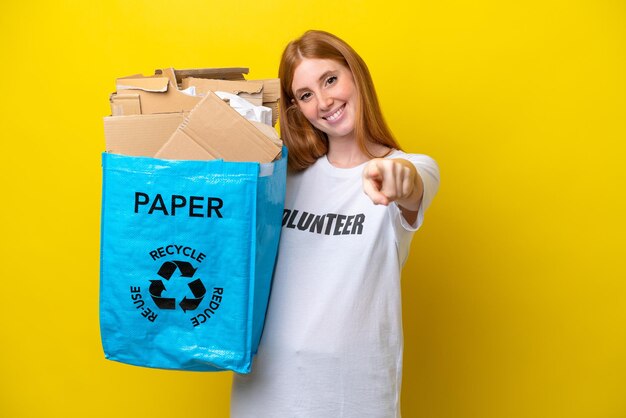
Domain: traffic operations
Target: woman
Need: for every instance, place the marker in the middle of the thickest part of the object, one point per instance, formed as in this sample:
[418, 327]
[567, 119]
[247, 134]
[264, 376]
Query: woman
[332, 343]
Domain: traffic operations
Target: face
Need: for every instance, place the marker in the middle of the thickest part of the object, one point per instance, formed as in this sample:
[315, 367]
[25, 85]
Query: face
[325, 92]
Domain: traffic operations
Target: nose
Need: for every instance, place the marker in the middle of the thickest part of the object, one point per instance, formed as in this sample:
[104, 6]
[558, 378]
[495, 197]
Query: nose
[325, 101]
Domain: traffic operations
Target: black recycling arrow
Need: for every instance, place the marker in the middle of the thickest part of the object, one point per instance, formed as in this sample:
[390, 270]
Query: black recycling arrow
[156, 289]
[198, 290]
[169, 267]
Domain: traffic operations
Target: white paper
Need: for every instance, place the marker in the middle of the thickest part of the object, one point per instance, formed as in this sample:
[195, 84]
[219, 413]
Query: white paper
[246, 109]
[190, 91]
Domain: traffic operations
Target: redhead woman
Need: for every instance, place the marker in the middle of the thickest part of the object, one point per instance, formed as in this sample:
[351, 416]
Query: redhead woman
[332, 343]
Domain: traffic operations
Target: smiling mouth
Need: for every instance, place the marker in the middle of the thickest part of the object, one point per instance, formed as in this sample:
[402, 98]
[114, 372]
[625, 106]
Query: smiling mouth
[333, 117]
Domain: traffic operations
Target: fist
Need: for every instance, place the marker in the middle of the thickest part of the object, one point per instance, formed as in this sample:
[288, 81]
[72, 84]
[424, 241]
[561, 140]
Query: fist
[391, 180]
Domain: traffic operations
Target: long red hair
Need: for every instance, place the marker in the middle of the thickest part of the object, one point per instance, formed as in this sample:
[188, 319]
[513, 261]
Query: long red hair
[305, 142]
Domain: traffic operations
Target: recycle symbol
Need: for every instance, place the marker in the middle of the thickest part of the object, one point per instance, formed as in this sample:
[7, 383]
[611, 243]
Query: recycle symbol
[166, 271]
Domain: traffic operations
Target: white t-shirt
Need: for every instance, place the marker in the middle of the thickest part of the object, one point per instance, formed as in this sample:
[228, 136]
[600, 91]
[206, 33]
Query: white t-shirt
[332, 343]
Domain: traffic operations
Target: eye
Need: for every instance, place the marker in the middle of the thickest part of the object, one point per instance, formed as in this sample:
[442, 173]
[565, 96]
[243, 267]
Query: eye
[305, 96]
[331, 80]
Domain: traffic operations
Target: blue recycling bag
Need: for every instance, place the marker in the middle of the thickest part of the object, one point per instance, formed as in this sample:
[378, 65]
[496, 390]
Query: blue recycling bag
[187, 255]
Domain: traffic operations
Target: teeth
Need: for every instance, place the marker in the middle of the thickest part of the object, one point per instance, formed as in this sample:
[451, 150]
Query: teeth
[334, 115]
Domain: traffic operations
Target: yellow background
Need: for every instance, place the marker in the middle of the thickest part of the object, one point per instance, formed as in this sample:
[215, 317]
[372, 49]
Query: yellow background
[514, 293]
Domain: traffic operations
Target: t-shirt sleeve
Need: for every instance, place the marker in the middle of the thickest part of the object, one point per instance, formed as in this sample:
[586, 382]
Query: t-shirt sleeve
[429, 172]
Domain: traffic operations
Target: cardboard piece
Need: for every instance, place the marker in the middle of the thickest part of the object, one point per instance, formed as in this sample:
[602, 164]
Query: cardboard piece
[149, 96]
[140, 95]
[231, 73]
[154, 84]
[213, 130]
[271, 95]
[252, 91]
[147, 110]
[139, 135]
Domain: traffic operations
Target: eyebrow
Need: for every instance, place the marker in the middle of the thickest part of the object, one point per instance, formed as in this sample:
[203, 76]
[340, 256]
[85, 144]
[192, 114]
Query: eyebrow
[322, 77]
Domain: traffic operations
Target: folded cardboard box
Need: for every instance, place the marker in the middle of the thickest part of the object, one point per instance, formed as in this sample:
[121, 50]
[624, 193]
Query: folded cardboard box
[214, 130]
[146, 112]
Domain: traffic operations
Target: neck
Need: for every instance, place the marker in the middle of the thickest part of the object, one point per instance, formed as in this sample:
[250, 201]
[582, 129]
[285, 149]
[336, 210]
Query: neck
[345, 152]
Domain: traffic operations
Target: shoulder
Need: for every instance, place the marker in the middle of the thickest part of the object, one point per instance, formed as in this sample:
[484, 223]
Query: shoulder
[307, 177]
[313, 168]
[418, 159]
[425, 164]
